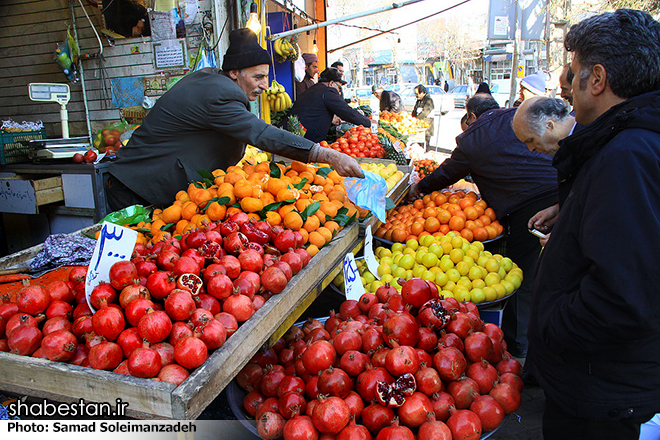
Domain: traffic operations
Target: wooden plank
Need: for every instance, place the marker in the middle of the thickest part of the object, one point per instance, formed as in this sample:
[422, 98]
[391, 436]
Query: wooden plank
[68, 383]
[206, 382]
[50, 195]
[48, 183]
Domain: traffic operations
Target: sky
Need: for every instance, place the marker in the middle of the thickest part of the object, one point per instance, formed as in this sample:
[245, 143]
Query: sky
[473, 14]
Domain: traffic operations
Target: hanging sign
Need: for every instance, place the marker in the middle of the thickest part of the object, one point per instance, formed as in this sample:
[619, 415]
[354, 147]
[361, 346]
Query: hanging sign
[369, 256]
[352, 282]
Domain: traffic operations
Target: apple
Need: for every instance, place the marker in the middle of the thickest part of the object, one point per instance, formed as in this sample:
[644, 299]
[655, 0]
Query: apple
[111, 140]
[90, 156]
[78, 158]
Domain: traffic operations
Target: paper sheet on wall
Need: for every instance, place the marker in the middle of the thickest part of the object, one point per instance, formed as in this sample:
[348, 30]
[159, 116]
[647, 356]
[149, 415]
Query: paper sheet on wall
[162, 25]
[115, 243]
[190, 11]
[170, 54]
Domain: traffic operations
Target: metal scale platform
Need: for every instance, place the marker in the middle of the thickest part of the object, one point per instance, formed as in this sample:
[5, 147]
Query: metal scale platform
[55, 148]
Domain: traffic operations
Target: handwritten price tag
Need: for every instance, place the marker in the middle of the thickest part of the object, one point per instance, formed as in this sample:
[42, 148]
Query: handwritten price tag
[115, 244]
[372, 263]
[352, 282]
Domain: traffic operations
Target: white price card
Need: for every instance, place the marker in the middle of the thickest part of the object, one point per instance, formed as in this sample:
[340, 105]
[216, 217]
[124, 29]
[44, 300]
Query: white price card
[372, 263]
[115, 243]
[352, 282]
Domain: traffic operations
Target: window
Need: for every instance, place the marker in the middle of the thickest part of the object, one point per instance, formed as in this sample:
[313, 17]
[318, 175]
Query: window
[127, 18]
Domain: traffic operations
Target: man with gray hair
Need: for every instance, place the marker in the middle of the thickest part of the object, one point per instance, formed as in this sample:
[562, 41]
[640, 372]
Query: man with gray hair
[541, 122]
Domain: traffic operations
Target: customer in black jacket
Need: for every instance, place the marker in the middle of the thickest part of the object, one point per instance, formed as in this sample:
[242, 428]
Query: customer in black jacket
[515, 182]
[317, 105]
[424, 109]
[594, 331]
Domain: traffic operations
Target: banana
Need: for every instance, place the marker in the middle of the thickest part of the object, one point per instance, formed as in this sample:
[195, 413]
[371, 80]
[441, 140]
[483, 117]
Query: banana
[287, 100]
[277, 46]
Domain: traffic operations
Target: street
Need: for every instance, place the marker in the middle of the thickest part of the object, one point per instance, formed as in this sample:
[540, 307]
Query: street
[446, 131]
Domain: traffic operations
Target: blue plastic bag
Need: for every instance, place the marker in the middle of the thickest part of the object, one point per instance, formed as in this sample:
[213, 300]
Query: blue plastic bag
[368, 193]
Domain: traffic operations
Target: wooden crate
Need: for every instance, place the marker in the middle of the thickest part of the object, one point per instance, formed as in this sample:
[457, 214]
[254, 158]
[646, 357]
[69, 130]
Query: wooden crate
[405, 168]
[152, 399]
[22, 195]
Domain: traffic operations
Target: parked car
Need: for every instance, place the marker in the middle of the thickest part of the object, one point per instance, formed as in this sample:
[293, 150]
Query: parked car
[460, 95]
[500, 92]
[442, 101]
[399, 87]
[365, 97]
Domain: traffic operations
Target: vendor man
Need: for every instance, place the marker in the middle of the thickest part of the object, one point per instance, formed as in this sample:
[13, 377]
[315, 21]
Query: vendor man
[316, 107]
[203, 123]
[311, 70]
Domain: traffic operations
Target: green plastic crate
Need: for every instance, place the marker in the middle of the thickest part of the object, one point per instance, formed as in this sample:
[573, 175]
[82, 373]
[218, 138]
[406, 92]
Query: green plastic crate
[13, 151]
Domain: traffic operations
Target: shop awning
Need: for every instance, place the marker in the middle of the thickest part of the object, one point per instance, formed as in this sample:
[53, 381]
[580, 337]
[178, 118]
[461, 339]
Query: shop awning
[498, 57]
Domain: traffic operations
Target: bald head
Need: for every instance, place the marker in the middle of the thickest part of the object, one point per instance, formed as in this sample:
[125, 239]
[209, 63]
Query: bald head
[541, 122]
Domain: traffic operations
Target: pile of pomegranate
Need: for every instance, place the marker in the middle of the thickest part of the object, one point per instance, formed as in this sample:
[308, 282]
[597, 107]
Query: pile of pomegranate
[164, 311]
[392, 366]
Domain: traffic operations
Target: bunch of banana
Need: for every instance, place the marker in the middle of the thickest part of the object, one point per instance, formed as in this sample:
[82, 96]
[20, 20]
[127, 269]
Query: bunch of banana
[278, 99]
[254, 156]
[283, 47]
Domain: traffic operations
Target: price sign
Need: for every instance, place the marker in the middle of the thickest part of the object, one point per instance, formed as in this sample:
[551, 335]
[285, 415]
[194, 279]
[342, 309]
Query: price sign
[115, 243]
[372, 263]
[352, 282]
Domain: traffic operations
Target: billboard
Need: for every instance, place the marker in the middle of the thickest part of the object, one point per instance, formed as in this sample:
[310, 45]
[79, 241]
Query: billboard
[502, 19]
[534, 17]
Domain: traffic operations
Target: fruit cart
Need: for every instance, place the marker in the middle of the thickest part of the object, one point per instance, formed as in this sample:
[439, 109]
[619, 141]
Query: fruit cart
[153, 399]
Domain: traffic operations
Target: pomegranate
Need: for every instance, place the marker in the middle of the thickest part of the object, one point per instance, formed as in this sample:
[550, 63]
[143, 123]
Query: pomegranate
[450, 363]
[213, 334]
[179, 305]
[319, 356]
[190, 352]
[354, 432]
[433, 429]
[428, 380]
[489, 411]
[367, 381]
[154, 326]
[24, 340]
[166, 352]
[190, 282]
[353, 362]
[291, 403]
[464, 424]
[335, 382]
[463, 390]
[105, 356]
[442, 403]
[396, 432]
[478, 346]
[402, 329]
[131, 292]
[506, 396]
[416, 292]
[414, 410]
[173, 373]
[251, 260]
[160, 284]
[219, 286]
[484, 374]
[108, 322]
[136, 309]
[401, 360]
[59, 291]
[144, 362]
[331, 415]
[270, 425]
[273, 280]
[294, 260]
[376, 417]
[32, 300]
[433, 314]
[122, 274]
[129, 340]
[228, 321]
[240, 306]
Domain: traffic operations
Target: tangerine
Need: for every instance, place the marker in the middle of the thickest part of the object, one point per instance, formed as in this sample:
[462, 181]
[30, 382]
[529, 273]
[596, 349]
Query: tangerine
[417, 228]
[467, 234]
[293, 220]
[456, 223]
[251, 204]
[431, 225]
[480, 234]
[398, 234]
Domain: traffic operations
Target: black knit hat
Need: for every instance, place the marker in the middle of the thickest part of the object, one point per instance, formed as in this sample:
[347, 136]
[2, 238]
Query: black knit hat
[244, 51]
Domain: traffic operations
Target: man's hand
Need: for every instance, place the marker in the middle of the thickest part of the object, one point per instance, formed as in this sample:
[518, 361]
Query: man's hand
[543, 219]
[344, 164]
[336, 120]
[413, 192]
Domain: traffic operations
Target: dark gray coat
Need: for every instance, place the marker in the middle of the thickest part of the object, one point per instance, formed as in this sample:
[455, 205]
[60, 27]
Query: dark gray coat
[202, 123]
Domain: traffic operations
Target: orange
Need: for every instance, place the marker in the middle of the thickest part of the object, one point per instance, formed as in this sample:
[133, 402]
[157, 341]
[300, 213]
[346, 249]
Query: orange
[471, 212]
[470, 224]
[291, 173]
[467, 234]
[316, 239]
[275, 185]
[362, 212]
[444, 216]
[485, 220]
[273, 218]
[230, 195]
[156, 225]
[456, 223]
[189, 209]
[312, 223]
[312, 249]
[293, 220]
[267, 198]
[325, 232]
[399, 234]
[440, 199]
[429, 212]
[171, 214]
[306, 175]
[432, 225]
[380, 232]
[333, 226]
[254, 216]
[418, 204]
[182, 195]
[216, 211]
[243, 188]
[336, 195]
[444, 229]
[417, 228]
[250, 204]
[426, 199]
[466, 202]
[490, 212]
[301, 204]
[335, 177]
[287, 194]
[233, 177]
[180, 226]
[328, 208]
[453, 208]
[480, 234]
[285, 209]
[492, 231]
[233, 210]
[321, 216]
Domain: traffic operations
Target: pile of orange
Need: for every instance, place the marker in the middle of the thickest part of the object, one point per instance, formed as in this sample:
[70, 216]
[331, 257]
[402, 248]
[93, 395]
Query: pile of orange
[250, 188]
[403, 122]
[424, 167]
[439, 213]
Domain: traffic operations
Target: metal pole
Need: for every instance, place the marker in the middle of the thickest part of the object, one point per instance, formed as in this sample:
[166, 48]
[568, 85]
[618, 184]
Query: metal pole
[513, 93]
[345, 18]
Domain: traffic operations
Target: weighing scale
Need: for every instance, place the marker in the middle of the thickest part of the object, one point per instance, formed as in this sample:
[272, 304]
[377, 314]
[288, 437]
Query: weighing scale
[55, 148]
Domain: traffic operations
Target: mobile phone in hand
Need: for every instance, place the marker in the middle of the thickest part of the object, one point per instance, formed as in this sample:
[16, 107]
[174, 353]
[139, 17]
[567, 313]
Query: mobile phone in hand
[538, 233]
